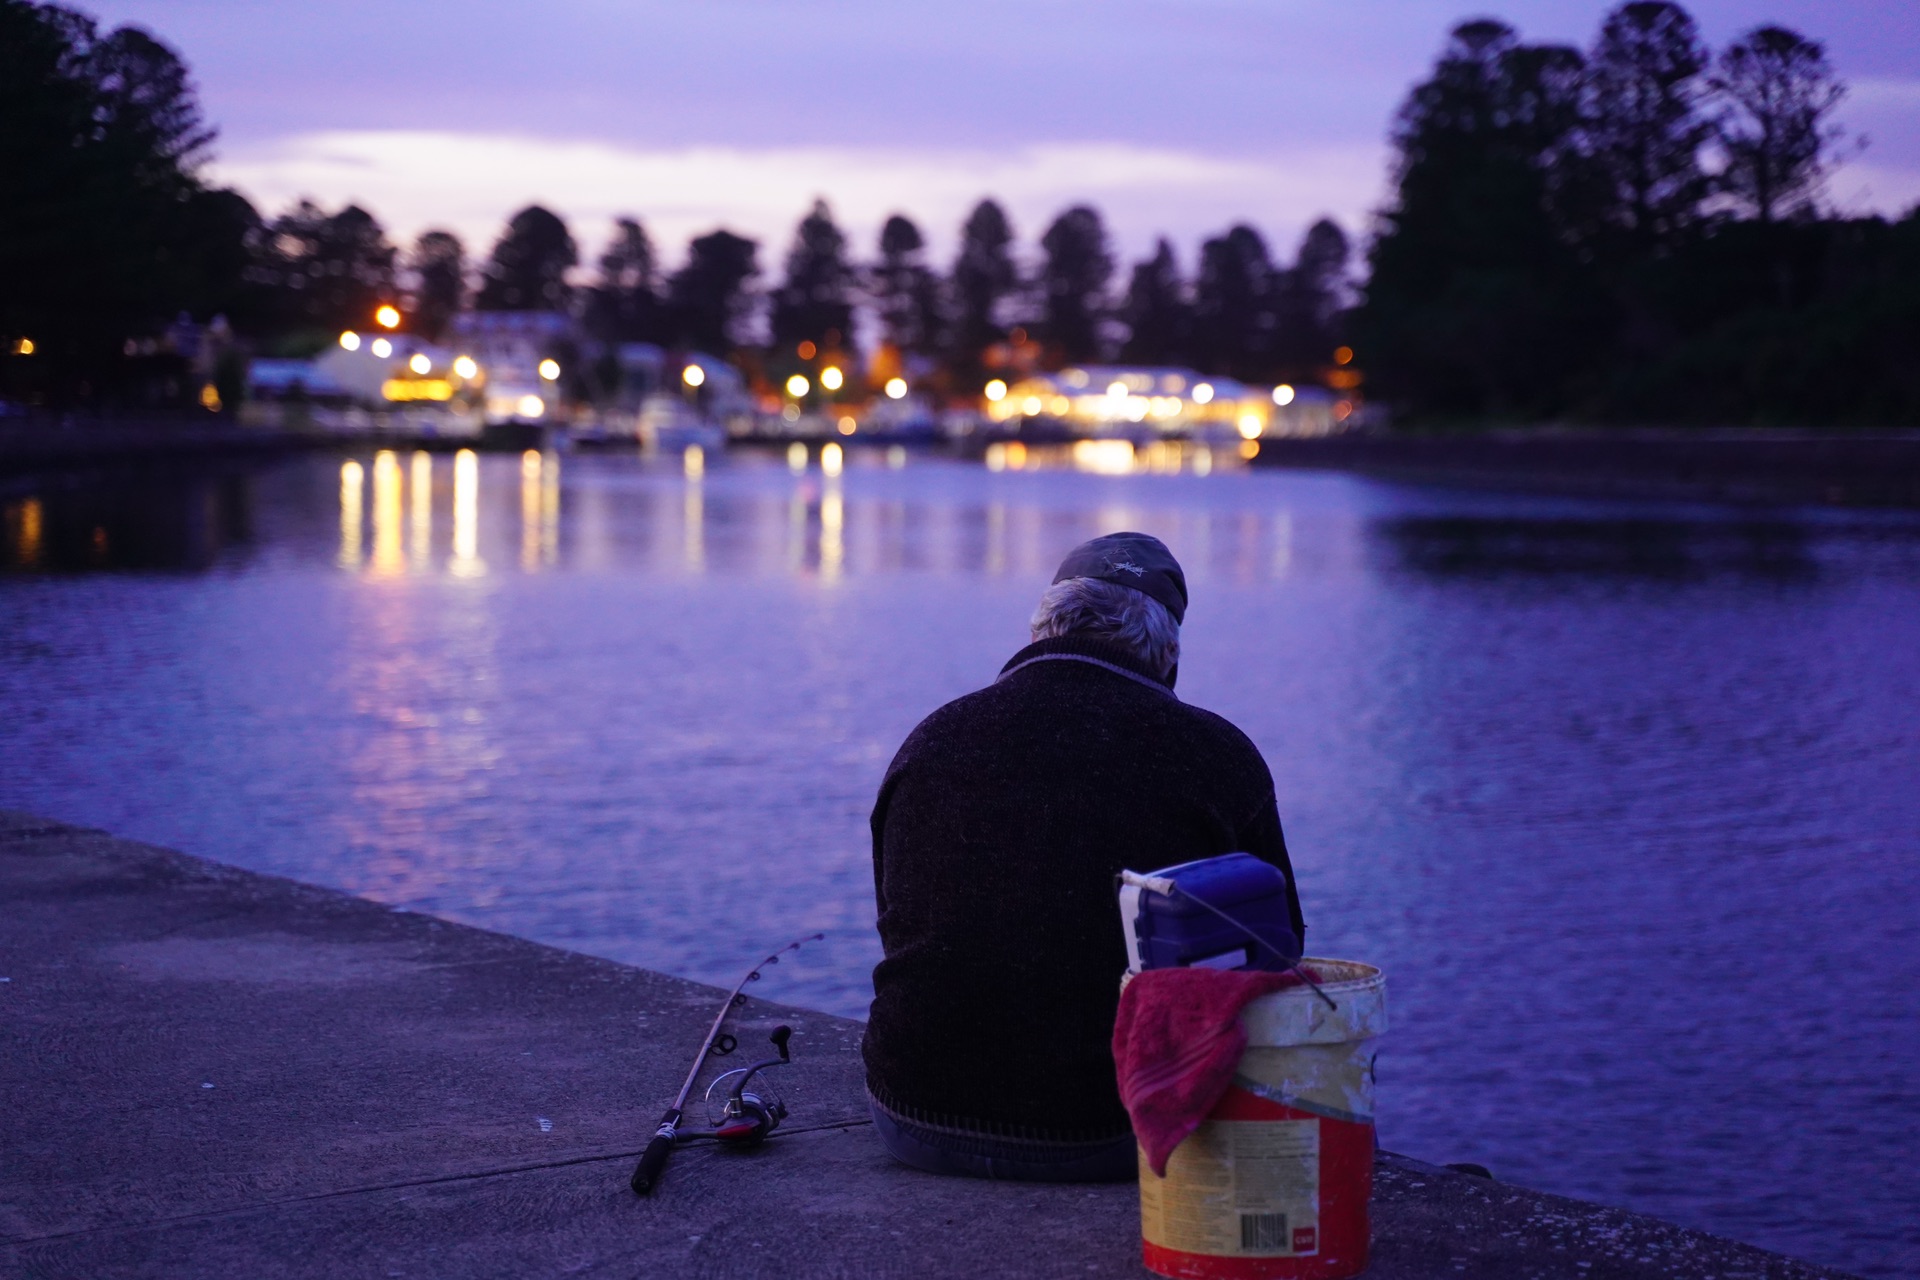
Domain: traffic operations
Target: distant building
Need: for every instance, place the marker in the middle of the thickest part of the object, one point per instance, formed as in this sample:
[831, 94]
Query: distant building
[1144, 402]
[510, 347]
[511, 344]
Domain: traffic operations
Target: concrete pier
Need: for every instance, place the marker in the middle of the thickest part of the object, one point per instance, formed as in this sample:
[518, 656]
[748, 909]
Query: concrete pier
[208, 1072]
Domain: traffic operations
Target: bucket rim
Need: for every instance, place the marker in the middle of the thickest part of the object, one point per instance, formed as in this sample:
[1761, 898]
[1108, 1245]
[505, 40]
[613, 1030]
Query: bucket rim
[1337, 975]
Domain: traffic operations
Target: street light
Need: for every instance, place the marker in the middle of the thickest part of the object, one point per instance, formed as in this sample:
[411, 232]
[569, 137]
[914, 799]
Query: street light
[420, 364]
[465, 367]
[1203, 393]
[382, 348]
[996, 390]
[388, 316]
[831, 378]
[350, 341]
[896, 388]
[693, 375]
[1283, 394]
[550, 370]
[797, 386]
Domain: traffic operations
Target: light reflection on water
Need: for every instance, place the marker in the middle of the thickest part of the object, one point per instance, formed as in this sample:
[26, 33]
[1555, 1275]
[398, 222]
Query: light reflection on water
[1622, 798]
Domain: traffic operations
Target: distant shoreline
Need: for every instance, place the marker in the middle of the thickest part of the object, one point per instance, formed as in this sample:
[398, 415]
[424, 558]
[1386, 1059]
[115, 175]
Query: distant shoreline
[1753, 466]
[1761, 466]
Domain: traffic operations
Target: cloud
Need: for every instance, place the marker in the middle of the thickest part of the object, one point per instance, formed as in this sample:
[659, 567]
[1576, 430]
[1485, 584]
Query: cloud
[1861, 189]
[471, 183]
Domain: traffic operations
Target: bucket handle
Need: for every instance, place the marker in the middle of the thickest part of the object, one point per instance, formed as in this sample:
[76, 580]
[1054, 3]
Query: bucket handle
[1167, 886]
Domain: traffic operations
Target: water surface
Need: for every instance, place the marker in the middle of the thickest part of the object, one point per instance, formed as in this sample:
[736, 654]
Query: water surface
[1623, 798]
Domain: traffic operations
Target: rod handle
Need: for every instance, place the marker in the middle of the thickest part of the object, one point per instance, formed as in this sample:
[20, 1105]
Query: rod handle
[654, 1158]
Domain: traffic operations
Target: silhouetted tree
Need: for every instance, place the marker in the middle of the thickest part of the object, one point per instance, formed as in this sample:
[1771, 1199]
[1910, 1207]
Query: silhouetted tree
[1073, 283]
[983, 276]
[1233, 305]
[1644, 128]
[1157, 316]
[325, 272]
[1307, 298]
[707, 297]
[106, 232]
[439, 267]
[624, 305]
[528, 270]
[1779, 90]
[815, 303]
[1477, 303]
[905, 292]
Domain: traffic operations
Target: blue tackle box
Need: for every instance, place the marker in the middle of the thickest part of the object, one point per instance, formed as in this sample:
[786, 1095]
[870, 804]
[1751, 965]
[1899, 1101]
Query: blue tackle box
[1167, 928]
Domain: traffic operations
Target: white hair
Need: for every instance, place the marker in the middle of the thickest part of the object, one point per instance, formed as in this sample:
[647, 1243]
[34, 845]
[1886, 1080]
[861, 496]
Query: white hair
[1107, 611]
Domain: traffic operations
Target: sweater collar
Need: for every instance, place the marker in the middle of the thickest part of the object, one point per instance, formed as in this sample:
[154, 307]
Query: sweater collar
[1099, 653]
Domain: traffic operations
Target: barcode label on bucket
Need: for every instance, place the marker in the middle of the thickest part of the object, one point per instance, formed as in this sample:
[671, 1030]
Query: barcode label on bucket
[1237, 1189]
[1264, 1232]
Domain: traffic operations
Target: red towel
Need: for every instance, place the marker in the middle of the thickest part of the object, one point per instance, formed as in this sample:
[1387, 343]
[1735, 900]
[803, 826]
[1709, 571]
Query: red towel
[1176, 1042]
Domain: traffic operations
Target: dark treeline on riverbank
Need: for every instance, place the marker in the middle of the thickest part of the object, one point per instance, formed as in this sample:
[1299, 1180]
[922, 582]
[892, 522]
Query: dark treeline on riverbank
[1634, 234]
[1628, 234]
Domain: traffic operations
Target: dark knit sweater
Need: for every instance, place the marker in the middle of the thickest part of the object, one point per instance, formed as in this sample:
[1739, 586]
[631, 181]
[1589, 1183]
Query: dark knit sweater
[998, 832]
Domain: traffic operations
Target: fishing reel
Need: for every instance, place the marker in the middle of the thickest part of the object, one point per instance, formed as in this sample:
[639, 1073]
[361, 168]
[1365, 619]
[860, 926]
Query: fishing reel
[741, 1116]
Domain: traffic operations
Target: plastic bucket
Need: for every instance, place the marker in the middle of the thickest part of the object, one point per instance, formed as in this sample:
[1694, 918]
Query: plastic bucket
[1275, 1182]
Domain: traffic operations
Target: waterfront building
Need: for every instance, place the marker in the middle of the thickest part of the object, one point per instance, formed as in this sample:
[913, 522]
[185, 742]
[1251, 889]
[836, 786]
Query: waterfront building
[1145, 403]
[516, 351]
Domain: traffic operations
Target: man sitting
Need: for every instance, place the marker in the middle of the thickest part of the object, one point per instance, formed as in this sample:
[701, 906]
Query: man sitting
[999, 829]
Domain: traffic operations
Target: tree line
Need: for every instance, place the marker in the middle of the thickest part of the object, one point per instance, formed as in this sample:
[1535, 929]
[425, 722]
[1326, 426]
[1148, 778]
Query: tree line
[1627, 233]
[105, 126]
[1633, 233]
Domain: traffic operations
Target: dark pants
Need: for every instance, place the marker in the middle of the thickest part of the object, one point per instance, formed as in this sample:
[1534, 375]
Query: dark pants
[1007, 1159]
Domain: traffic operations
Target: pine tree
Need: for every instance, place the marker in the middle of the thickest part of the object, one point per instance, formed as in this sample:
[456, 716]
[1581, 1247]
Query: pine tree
[1233, 305]
[1477, 302]
[904, 291]
[624, 304]
[439, 268]
[528, 270]
[815, 303]
[1779, 91]
[708, 297]
[1643, 126]
[1156, 312]
[325, 272]
[1309, 295]
[1073, 284]
[107, 231]
[983, 276]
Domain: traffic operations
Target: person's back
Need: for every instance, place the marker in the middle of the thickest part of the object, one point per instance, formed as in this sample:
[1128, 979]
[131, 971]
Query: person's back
[998, 833]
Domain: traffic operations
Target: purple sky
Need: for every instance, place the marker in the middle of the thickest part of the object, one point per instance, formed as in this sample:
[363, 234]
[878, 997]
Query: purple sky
[1173, 116]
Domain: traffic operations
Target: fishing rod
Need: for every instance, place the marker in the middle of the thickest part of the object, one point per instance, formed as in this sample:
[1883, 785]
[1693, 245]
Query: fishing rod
[747, 1118]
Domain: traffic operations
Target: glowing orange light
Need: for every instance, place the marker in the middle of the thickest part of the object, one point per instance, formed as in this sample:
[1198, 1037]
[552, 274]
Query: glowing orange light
[388, 316]
[1343, 355]
[807, 351]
